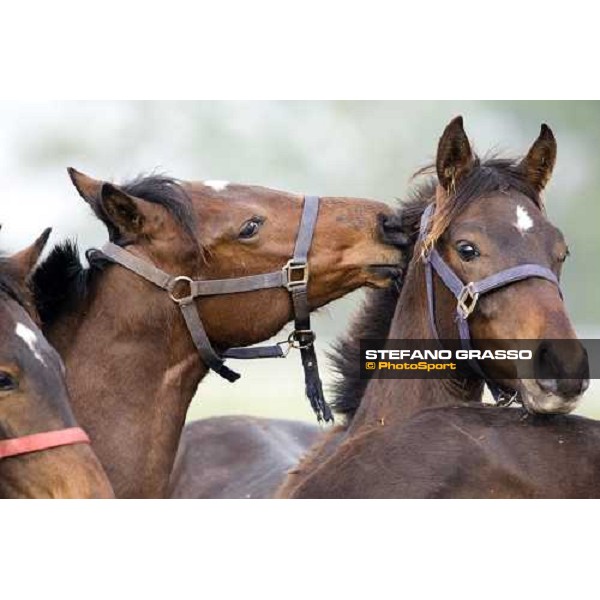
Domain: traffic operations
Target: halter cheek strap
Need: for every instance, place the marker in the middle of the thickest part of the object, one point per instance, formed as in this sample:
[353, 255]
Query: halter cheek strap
[42, 441]
[303, 336]
[467, 295]
[293, 277]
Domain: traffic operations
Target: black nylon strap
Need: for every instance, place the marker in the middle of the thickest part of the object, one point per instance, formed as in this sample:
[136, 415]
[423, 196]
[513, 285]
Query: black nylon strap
[313, 385]
[210, 358]
[306, 230]
[304, 333]
[301, 308]
[213, 287]
[257, 352]
[301, 249]
[137, 265]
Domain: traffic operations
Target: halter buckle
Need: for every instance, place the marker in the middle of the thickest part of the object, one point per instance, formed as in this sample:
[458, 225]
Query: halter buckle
[466, 301]
[296, 274]
[285, 346]
[301, 338]
[505, 399]
[173, 284]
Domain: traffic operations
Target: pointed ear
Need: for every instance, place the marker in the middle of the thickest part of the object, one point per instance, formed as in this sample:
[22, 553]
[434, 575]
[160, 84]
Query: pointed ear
[454, 156]
[88, 188]
[124, 212]
[25, 260]
[539, 162]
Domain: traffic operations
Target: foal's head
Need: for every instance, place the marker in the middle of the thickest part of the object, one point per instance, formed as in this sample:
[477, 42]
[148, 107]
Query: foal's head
[33, 399]
[489, 216]
[215, 230]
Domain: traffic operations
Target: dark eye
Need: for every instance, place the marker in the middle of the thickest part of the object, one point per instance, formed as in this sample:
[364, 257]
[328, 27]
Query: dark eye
[250, 228]
[561, 259]
[466, 250]
[7, 382]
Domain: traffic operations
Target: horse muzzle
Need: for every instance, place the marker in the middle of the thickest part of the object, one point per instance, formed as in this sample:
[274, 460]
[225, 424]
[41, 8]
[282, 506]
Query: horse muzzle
[538, 398]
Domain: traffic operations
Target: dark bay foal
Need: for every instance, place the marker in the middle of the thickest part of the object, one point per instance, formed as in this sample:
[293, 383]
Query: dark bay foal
[480, 452]
[488, 216]
[43, 454]
[238, 456]
[132, 368]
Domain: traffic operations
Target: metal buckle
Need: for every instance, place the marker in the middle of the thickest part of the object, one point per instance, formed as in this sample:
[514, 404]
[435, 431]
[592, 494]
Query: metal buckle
[291, 270]
[285, 346]
[295, 341]
[171, 289]
[506, 399]
[466, 301]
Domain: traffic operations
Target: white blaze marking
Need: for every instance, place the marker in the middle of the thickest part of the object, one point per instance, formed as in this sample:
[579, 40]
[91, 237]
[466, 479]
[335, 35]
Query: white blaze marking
[30, 339]
[217, 185]
[524, 222]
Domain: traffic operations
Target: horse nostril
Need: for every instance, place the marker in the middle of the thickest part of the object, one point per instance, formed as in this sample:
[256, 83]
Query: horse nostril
[392, 232]
[561, 368]
[548, 385]
[566, 388]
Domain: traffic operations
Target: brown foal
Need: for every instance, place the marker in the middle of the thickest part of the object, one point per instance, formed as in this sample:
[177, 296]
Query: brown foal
[42, 452]
[132, 368]
[488, 216]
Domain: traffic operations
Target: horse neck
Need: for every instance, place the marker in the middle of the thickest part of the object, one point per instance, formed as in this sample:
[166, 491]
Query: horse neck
[395, 400]
[131, 372]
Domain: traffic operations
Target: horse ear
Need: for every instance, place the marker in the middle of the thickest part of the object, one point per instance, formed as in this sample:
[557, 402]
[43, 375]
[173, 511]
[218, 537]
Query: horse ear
[539, 162]
[125, 212]
[454, 156]
[88, 188]
[25, 260]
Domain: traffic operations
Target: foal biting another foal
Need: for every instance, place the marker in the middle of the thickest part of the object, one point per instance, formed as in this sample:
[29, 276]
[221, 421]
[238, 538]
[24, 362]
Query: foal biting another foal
[489, 216]
[132, 368]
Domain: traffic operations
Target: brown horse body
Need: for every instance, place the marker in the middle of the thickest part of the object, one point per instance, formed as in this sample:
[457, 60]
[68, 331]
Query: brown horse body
[392, 425]
[238, 456]
[132, 368]
[34, 400]
[469, 452]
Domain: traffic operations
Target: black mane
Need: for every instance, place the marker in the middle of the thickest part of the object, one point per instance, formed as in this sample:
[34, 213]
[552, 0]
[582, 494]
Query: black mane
[374, 318]
[61, 282]
[372, 322]
[168, 193]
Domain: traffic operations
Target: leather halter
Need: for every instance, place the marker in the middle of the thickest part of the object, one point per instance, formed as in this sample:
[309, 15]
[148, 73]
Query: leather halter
[467, 296]
[42, 441]
[293, 277]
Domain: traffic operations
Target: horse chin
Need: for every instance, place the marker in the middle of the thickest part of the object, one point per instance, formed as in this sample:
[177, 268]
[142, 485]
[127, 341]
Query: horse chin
[536, 401]
[383, 276]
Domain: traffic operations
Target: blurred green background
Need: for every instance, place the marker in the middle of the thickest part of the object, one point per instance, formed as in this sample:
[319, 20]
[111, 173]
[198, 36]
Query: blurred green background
[344, 148]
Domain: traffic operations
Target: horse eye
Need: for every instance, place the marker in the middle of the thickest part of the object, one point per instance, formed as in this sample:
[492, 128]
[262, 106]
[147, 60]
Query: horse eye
[7, 382]
[467, 251]
[565, 255]
[250, 228]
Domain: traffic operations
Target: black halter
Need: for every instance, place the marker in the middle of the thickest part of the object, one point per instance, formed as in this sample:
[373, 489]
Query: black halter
[467, 296]
[293, 277]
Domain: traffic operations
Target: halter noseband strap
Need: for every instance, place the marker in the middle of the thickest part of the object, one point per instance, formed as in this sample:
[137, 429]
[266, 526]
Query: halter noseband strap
[42, 441]
[467, 295]
[293, 276]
